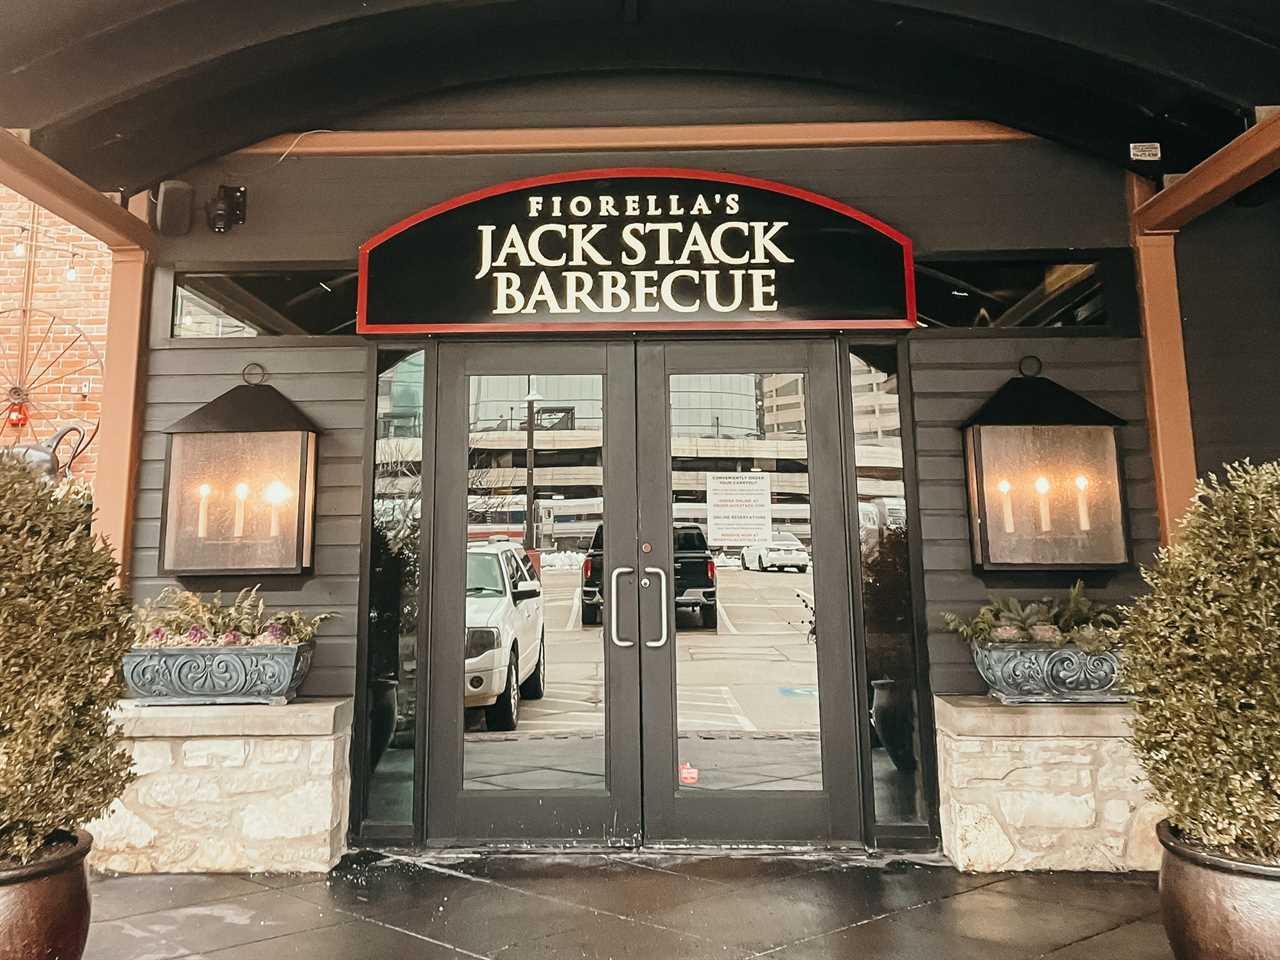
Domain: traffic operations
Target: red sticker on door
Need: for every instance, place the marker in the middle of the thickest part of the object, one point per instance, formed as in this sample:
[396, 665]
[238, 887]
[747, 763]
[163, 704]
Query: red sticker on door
[688, 774]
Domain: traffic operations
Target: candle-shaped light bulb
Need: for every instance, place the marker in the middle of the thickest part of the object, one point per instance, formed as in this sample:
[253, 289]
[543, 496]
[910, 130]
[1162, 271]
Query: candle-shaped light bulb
[276, 494]
[1042, 488]
[242, 494]
[1004, 486]
[202, 521]
[1082, 501]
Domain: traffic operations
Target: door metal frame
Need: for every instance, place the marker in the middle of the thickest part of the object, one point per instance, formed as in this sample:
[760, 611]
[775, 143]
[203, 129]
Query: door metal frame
[882, 832]
[516, 353]
[566, 817]
[831, 816]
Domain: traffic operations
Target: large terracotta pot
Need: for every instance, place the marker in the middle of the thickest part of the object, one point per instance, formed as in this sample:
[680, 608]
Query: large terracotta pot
[44, 906]
[1215, 908]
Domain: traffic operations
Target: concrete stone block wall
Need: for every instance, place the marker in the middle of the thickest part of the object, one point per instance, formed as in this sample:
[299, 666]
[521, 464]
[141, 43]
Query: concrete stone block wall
[82, 301]
[230, 789]
[1042, 787]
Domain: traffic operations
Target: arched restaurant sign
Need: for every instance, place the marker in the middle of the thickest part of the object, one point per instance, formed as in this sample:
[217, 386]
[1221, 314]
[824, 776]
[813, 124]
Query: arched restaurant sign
[636, 249]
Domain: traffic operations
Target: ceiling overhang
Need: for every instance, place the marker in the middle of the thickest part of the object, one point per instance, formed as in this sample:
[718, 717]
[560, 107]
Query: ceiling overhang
[125, 92]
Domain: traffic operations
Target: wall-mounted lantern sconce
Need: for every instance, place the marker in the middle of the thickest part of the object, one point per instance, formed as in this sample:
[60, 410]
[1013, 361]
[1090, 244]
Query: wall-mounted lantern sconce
[240, 485]
[1045, 486]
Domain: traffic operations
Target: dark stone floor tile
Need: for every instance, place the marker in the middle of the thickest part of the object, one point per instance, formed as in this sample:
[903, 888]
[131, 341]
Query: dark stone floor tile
[509, 869]
[755, 918]
[1130, 896]
[379, 888]
[866, 891]
[891, 939]
[1134, 941]
[206, 927]
[736, 871]
[621, 888]
[610, 938]
[1033, 925]
[358, 940]
[483, 917]
[278, 881]
[116, 897]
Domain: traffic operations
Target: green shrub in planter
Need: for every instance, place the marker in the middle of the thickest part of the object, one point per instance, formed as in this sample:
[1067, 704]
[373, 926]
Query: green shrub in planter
[62, 639]
[1202, 657]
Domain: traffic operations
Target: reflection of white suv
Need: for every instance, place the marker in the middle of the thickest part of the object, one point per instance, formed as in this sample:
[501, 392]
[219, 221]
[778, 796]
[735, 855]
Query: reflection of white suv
[506, 656]
[785, 551]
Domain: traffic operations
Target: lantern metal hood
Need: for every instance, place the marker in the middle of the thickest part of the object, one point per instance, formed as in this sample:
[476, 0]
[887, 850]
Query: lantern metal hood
[1046, 490]
[240, 486]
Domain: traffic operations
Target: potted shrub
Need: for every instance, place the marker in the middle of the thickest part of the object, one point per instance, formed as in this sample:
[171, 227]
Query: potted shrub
[62, 635]
[188, 650]
[1202, 656]
[1050, 651]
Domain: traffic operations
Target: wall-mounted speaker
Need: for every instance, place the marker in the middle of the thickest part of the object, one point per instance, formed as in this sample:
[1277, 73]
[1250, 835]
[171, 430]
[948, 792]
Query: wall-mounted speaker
[174, 203]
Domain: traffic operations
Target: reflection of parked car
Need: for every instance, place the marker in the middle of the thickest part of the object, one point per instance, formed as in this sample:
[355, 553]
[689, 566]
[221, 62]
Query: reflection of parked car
[784, 551]
[693, 567]
[506, 655]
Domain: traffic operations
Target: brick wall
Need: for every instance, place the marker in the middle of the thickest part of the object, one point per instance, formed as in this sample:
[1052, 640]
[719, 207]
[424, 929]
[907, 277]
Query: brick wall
[82, 302]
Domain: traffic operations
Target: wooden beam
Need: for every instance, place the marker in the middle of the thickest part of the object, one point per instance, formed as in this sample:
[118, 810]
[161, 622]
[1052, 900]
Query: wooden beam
[1173, 450]
[40, 180]
[1240, 164]
[120, 438]
[375, 143]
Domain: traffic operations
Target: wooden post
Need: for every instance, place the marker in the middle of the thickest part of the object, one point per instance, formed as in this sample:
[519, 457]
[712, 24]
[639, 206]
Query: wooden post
[1168, 397]
[121, 434]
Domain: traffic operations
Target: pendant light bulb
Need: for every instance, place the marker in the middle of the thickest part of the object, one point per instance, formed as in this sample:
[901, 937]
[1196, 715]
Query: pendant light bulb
[72, 273]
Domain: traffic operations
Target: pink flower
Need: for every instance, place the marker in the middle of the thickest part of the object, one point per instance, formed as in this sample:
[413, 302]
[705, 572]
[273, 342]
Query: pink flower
[232, 638]
[1046, 633]
[1006, 633]
[197, 634]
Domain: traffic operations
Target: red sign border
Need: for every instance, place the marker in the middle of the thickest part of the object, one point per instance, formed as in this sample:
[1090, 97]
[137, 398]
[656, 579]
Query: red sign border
[579, 326]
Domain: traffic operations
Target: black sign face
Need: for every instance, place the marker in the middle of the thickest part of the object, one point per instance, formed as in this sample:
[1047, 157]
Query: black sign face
[636, 249]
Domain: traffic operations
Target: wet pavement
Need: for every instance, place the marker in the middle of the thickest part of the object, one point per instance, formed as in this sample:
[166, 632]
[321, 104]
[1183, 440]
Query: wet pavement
[652, 906]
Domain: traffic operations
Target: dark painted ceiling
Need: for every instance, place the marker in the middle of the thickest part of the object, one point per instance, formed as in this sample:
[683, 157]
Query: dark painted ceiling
[124, 92]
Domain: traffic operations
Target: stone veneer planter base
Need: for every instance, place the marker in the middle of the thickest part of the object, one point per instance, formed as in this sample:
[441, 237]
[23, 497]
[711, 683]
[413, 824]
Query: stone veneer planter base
[1042, 787]
[230, 789]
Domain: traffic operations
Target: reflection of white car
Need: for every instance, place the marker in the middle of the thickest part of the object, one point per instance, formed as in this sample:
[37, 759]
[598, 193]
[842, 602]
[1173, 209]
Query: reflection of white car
[506, 656]
[785, 551]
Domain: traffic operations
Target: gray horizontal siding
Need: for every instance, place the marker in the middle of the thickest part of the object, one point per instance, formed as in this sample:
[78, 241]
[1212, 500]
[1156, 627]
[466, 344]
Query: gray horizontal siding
[330, 385]
[950, 379]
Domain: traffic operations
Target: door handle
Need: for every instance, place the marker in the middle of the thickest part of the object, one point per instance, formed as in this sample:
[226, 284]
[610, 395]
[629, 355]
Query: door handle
[613, 607]
[662, 583]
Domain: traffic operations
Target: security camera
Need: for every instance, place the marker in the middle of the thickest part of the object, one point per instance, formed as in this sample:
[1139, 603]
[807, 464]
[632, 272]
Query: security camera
[227, 208]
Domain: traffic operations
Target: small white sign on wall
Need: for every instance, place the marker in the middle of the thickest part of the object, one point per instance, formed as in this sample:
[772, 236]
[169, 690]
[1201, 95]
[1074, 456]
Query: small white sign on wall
[739, 509]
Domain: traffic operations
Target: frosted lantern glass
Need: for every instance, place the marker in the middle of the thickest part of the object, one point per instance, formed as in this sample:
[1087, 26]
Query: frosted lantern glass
[1050, 496]
[235, 501]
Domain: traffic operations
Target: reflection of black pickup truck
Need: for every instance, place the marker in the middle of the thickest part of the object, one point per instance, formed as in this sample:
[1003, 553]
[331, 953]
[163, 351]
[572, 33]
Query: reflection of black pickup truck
[695, 575]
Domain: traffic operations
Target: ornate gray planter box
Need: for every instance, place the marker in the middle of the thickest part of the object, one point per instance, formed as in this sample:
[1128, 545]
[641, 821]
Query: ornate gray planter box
[1043, 673]
[193, 675]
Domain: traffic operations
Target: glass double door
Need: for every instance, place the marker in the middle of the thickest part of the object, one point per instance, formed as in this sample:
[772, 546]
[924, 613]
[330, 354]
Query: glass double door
[639, 622]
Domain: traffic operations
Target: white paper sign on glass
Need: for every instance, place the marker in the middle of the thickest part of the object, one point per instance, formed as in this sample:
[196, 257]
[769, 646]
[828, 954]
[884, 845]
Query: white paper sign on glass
[739, 509]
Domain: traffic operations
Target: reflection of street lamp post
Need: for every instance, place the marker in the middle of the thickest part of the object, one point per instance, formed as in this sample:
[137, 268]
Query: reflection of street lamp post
[532, 398]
